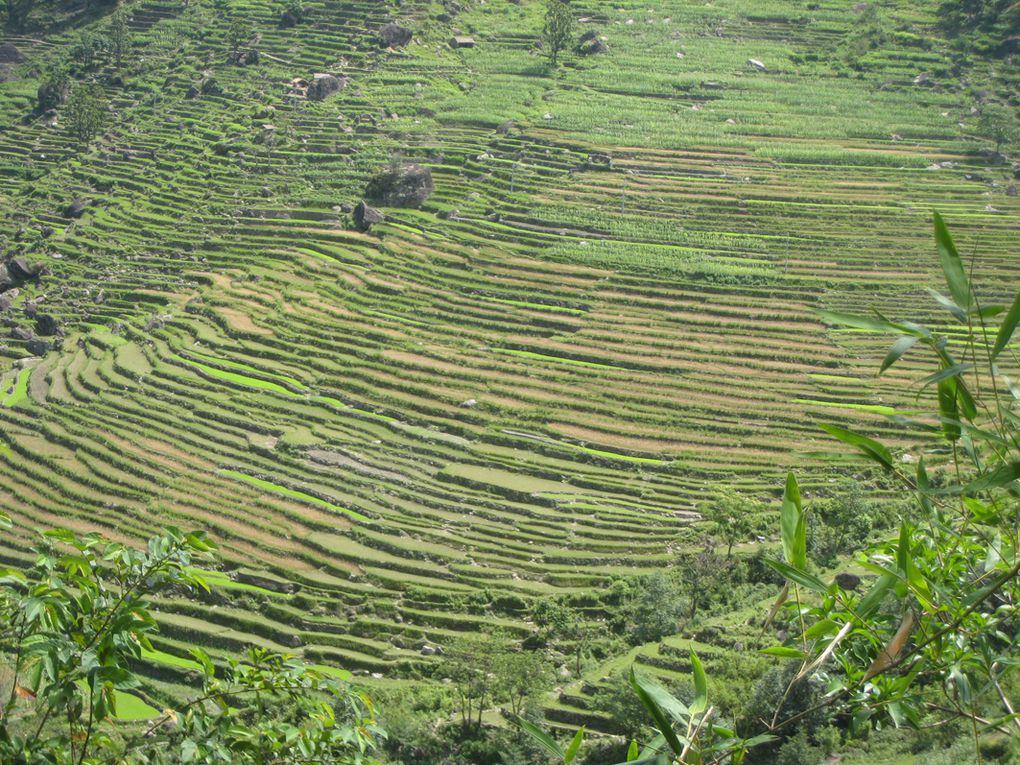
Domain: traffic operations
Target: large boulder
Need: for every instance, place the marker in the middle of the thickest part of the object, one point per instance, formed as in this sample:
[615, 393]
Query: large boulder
[46, 324]
[591, 43]
[38, 347]
[592, 48]
[406, 185]
[324, 85]
[9, 54]
[17, 270]
[22, 270]
[848, 581]
[364, 216]
[210, 87]
[7, 299]
[394, 36]
[51, 94]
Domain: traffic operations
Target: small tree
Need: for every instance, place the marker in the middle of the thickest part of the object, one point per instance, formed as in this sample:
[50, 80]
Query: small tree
[705, 574]
[469, 665]
[520, 676]
[119, 36]
[241, 39]
[998, 124]
[654, 609]
[729, 512]
[85, 112]
[558, 29]
[90, 47]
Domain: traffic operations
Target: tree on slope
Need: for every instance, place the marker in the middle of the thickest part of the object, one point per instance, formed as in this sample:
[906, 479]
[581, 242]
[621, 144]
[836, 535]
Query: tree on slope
[558, 29]
[85, 113]
[998, 124]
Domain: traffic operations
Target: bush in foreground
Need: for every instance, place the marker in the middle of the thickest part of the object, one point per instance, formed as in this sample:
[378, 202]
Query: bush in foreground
[77, 618]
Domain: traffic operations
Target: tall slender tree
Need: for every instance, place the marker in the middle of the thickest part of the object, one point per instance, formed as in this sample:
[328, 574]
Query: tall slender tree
[558, 29]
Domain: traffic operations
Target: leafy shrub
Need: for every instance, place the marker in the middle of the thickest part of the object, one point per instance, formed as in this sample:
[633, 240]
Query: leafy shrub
[654, 609]
[77, 619]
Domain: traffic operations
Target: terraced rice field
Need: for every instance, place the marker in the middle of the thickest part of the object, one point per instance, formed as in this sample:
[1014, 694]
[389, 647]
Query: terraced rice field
[523, 388]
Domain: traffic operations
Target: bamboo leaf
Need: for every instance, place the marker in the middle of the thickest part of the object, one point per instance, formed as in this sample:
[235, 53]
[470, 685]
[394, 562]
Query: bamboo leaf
[870, 602]
[867, 446]
[858, 322]
[949, 305]
[1006, 329]
[945, 374]
[797, 576]
[784, 652]
[996, 479]
[952, 266]
[901, 346]
[949, 410]
[793, 525]
[829, 649]
[575, 746]
[888, 654]
[993, 557]
[651, 694]
[543, 739]
[653, 747]
[783, 595]
[700, 702]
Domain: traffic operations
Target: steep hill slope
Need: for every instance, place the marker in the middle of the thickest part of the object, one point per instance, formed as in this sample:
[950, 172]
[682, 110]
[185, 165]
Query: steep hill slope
[523, 387]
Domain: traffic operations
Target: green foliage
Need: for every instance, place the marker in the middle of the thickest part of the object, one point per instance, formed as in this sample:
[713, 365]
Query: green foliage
[18, 12]
[558, 29]
[688, 732]
[867, 34]
[798, 750]
[491, 669]
[85, 112]
[240, 33]
[841, 524]
[54, 88]
[966, 19]
[80, 615]
[998, 124]
[550, 745]
[566, 629]
[937, 630]
[776, 697]
[705, 577]
[118, 33]
[617, 700]
[654, 609]
[87, 52]
[731, 515]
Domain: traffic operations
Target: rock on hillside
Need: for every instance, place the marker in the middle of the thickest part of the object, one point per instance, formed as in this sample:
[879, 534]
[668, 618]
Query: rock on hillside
[394, 36]
[365, 216]
[323, 86]
[407, 185]
[9, 54]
